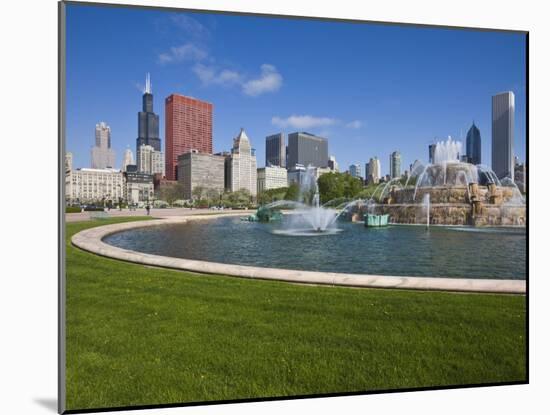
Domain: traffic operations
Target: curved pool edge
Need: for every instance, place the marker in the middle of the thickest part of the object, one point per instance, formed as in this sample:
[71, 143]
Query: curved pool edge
[91, 240]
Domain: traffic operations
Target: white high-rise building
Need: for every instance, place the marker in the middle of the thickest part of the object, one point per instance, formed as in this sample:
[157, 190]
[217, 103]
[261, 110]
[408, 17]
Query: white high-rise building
[375, 170]
[144, 158]
[241, 165]
[272, 177]
[128, 159]
[502, 153]
[150, 161]
[395, 164]
[157, 163]
[103, 156]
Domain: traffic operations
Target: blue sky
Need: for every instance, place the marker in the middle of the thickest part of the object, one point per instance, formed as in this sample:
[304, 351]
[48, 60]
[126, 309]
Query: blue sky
[370, 89]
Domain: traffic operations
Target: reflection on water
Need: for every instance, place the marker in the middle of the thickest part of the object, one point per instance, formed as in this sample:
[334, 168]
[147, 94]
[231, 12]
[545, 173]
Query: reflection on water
[396, 250]
[306, 232]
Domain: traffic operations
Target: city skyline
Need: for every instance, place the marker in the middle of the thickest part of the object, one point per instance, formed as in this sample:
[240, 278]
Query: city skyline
[402, 87]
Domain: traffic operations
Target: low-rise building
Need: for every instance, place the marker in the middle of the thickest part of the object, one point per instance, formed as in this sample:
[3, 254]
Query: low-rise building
[299, 172]
[201, 170]
[296, 174]
[139, 186]
[93, 185]
[271, 177]
[333, 164]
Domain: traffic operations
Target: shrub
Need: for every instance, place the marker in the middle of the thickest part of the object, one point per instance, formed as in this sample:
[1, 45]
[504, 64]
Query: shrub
[160, 204]
[94, 209]
[73, 209]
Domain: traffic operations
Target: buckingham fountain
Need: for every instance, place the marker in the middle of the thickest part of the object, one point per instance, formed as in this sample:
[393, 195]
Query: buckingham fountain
[445, 192]
[488, 240]
[450, 192]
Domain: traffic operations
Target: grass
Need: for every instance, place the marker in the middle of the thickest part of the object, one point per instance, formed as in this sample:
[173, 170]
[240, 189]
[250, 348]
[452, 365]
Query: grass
[142, 336]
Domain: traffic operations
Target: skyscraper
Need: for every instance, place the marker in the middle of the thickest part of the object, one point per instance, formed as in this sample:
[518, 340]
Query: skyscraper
[395, 164]
[150, 161]
[242, 166]
[473, 145]
[148, 121]
[355, 170]
[128, 159]
[103, 156]
[275, 150]
[188, 127]
[431, 153]
[307, 149]
[503, 134]
[375, 170]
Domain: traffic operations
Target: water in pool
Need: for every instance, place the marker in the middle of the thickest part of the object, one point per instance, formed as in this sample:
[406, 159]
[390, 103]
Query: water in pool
[498, 253]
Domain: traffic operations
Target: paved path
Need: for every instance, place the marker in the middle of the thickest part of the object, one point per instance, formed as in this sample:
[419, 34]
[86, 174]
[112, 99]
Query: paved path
[156, 213]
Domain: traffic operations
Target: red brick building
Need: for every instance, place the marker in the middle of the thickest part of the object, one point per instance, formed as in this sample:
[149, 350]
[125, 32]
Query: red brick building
[188, 127]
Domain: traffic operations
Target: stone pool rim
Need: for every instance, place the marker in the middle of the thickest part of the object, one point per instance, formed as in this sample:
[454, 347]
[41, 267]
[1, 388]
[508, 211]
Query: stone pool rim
[91, 240]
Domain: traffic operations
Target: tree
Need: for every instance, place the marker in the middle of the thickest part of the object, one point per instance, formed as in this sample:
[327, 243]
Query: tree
[213, 196]
[170, 192]
[352, 186]
[236, 199]
[271, 195]
[198, 192]
[292, 192]
[338, 185]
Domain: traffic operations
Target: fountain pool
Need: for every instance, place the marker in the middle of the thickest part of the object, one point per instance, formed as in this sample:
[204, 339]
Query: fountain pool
[409, 250]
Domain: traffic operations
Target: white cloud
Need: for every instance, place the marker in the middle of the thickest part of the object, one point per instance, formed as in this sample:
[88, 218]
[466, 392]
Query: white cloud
[185, 52]
[190, 25]
[303, 121]
[354, 124]
[211, 76]
[270, 80]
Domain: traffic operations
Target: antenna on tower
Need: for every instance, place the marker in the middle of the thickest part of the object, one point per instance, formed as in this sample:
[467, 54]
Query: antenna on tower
[148, 84]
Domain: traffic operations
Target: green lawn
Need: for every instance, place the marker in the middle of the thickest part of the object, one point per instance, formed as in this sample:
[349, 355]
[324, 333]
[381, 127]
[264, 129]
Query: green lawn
[140, 336]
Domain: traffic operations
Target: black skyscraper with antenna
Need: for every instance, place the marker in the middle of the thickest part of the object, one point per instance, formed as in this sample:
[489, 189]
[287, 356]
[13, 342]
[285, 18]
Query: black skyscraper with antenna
[148, 121]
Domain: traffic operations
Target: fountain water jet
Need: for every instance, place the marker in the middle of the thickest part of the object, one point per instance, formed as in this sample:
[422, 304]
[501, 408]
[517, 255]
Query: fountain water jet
[311, 218]
[426, 206]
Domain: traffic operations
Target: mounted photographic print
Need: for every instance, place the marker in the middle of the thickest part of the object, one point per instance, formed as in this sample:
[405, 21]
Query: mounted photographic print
[259, 207]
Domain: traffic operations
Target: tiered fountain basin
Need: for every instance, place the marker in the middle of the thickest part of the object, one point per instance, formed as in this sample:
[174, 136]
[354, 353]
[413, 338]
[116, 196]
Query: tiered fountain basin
[448, 192]
[473, 205]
